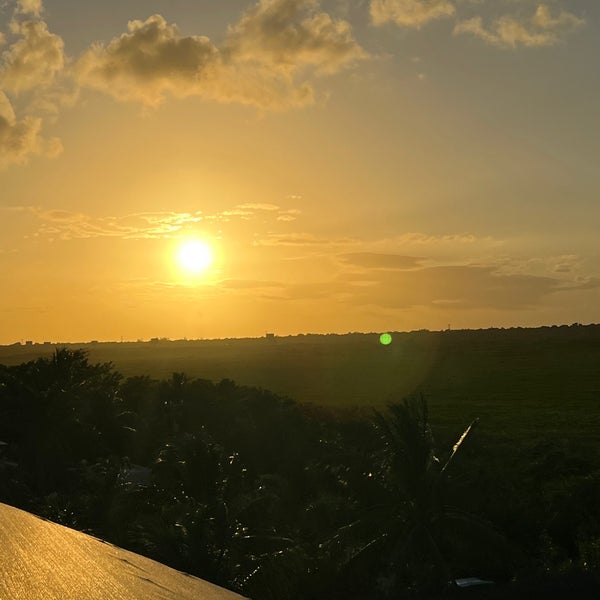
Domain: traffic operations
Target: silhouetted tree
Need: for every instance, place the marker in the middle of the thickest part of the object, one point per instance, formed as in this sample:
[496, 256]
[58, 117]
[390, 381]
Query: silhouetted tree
[411, 537]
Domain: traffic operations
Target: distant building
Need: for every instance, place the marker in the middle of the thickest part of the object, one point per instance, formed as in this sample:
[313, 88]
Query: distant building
[270, 336]
[29, 342]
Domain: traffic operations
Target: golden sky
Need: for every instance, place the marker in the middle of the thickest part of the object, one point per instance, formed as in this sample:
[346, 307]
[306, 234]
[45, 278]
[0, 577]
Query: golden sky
[353, 165]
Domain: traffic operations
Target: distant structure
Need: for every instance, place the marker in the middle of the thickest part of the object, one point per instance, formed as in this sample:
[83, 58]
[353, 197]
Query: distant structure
[270, 337]
[29, 342]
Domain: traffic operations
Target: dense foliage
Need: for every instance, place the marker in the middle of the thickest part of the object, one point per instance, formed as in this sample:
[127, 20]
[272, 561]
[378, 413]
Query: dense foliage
[282, 501]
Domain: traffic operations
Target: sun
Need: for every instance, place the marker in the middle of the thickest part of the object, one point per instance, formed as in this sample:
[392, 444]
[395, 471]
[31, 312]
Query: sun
[194, 256]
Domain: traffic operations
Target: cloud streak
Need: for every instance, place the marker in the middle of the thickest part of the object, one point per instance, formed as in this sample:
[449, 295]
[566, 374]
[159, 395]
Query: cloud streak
[374, 260]
[456, 286]
[58, 224]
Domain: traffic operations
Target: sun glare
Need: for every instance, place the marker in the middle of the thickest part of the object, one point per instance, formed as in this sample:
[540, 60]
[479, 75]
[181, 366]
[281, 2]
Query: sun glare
[194, 256]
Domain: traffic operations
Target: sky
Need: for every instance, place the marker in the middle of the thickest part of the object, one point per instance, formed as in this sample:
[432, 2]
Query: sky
[352, 165]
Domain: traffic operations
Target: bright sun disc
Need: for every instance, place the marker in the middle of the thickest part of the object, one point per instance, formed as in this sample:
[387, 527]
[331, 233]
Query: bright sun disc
[194, 256]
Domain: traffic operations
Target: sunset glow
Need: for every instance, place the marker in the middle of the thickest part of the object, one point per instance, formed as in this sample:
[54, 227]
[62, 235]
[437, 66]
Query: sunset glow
[365, 166]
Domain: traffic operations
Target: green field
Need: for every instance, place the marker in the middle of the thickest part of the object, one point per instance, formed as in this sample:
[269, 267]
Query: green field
[531, 382]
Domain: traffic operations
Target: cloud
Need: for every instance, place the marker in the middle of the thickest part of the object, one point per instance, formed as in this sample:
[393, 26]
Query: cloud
[541, 29]
[150, 60]
[19, 139]
[259, 206]
[460, 287]
[30, 65]
[410, 13]
[564, 21]
[566, 263]
[34, 60]
[287, 216]
[302, 239]
[29, 7]
[292, 34]
[374, 260]
[260, 63]
[442, 288]
[283, 215]
[67, 225]
[251, 210]
[419, 238]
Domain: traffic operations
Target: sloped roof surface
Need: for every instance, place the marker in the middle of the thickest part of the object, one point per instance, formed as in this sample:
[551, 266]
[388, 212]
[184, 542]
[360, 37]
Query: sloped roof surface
[40, 560]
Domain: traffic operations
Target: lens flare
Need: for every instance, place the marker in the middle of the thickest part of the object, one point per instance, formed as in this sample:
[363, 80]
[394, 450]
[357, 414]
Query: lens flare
[385, 339]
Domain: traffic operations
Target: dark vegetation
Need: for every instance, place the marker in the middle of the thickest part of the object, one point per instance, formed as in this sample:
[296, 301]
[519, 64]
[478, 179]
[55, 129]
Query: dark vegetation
[278, 499]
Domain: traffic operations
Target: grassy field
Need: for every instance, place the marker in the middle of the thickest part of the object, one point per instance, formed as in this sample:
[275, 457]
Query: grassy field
[523, 383]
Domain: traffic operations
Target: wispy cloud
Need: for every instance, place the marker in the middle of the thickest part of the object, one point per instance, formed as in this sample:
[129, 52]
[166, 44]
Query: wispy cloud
[302, 239]
[68, 225]
[543, 28]
[259, 206]
[410, 13]
[288, 216]
[517, 27]
[416, 237]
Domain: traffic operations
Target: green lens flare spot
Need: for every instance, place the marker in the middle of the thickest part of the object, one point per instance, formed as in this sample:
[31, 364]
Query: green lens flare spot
[385, 339]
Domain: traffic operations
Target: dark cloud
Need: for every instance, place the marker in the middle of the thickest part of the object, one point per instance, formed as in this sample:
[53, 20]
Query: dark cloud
[458, 286]
[149, 61]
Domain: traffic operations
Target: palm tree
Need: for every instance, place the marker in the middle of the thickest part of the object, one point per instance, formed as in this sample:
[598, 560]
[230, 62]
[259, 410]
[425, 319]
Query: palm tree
[410, 535]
